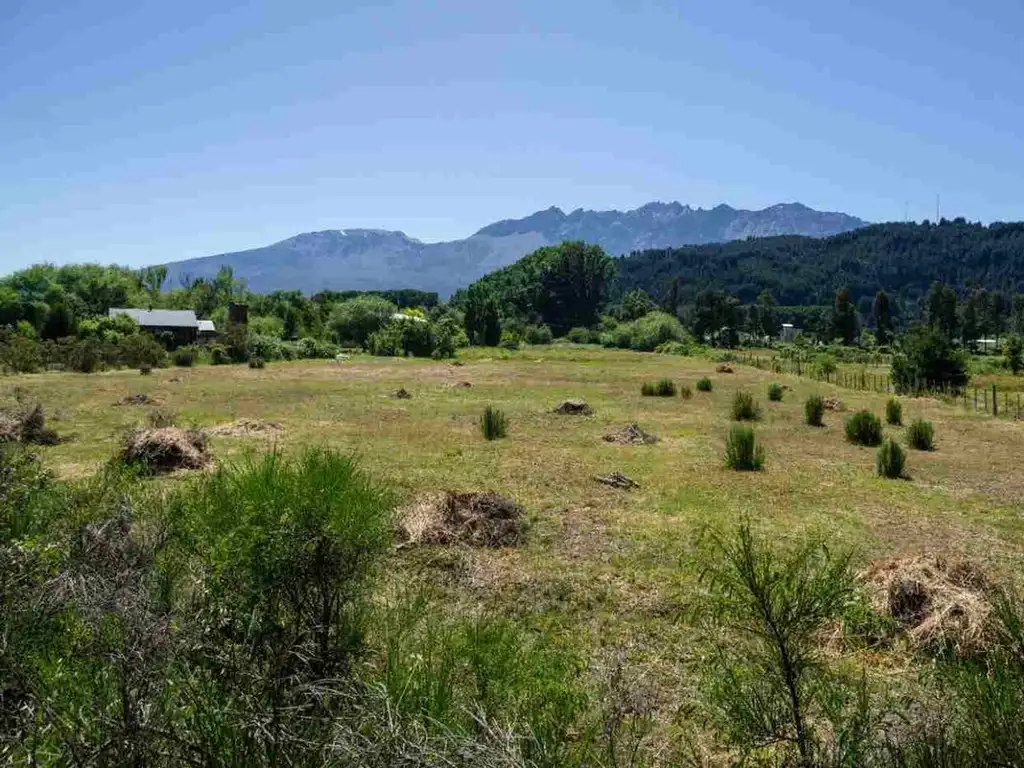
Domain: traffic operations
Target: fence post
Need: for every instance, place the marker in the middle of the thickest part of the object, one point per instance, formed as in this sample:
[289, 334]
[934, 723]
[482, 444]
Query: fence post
[975, 398]
[995, 402]
[984, 392]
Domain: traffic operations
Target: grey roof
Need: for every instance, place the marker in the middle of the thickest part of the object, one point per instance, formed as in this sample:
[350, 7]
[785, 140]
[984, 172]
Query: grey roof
[158, 318]
[207, 326]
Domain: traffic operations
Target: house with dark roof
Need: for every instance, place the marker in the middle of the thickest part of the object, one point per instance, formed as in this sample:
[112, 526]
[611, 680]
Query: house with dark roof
[182, 324]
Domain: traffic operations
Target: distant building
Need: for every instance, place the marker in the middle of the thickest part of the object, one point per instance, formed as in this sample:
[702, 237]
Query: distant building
[788, 332]
[180, 323]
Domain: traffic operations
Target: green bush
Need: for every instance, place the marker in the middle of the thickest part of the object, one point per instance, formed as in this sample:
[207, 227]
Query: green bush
[660, 388]
[145, 369]
[510, 340]
[219, 354]
[893, 412]
[775, 392]
[141, 349]
[538, 334]
[493, 424]
[742, 451]
[928, 360]
[184, 357]
[890, 461]
[814, 411]
[921, 435]
[21, 355]
[309, 348]
[265, 347]
[579, 335]
[401, 338]
[744, 408]
[353, 321]
[257, 362]
[674, 348]
[864, 428]
[654, 329]
[704, 384]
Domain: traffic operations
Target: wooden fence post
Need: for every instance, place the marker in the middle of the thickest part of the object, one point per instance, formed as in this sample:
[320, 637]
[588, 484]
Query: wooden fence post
[995, 402]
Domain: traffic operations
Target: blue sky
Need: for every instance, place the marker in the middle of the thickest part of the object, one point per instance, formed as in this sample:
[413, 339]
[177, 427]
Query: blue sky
[140, 132]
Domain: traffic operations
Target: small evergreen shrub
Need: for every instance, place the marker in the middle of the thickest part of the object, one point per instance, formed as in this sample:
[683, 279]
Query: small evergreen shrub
[538, 334]
[890, 460]
[579, 335]
[510, 340]
[685, 392]
[219, 354]
[864, 428]
[256, 363]
[493, 423]
[660, 388]
[894, 412]
[814, 411]
[184, 357]
[704, 385]
[775, 392]
[742, 451]
[145, 369]
[744, 408]
[921, 435]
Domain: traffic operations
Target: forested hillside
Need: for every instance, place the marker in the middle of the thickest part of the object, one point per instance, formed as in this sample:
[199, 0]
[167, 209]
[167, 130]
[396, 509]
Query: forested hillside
[903, 259]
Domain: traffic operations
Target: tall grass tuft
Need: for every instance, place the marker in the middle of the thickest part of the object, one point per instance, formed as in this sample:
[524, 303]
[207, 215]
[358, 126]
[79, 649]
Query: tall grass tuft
[742, 451]
[921, 435]
[158, 419]
[894, 412]
[685, 392]
[864, 428]
[493, 423]
[660, 388]
[890, 461]
[744, 408]
[814, 411]
[775, 392]
[704, 384]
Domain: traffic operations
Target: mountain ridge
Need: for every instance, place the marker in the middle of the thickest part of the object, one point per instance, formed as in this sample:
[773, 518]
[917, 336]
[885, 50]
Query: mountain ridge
[378, 259]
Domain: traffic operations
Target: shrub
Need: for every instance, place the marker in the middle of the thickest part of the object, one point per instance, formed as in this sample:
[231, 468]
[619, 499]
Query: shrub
[814, 410]
[704, 384]
[921, 435]
[141, 349]
[826, 365]
[578, 335]
[84, 356]
[685, 392]
[674, 348]
[21, 355]
[744, 408]
[742, 451]
[265, 347]
[510, 340]
[1013, 350]
[894, 412]
[928, 360]
[493, 424]
[654, 329]
[864, 428]
[145, 369]
[447, 336]
[660, 388]
[890, 461]
[538, 334]
[775, 392]
[219, 354]
[184, 357]
[353, 321]
[400, 338]
[257, 363]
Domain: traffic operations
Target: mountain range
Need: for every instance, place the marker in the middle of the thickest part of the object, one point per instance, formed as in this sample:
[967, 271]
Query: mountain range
[373, 259]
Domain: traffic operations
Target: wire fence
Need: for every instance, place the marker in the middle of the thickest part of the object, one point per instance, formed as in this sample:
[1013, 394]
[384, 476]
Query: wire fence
[989, 400]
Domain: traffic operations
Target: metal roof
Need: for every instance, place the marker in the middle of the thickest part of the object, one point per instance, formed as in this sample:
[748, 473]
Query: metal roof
[158, 318]
[206, 326]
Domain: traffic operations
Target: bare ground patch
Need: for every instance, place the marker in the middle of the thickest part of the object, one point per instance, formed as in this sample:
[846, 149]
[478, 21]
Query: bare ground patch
[481, 519]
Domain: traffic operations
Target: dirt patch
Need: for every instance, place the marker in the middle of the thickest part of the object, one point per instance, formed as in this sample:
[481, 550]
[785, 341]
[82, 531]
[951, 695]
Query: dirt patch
[618, 480]
[478, 519]
[459, 385]
[156, 451]
[401, 394]
[939, 602]
[246, 428]
[139, 399]
[27, 425]
[631, 435]
[574, 408]
[833, 404]
[723, 368]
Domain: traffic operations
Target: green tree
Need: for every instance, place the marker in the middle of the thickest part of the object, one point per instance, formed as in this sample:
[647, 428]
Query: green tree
[927, 360]
[573, 285]
[997, 310]
[1014, 352]
[942, 310]
[636, 304]
[765, 316]
[974, 317]
[716, 317]
[482, 318]
[1018, 314]
[882, 313]
[844, 318]
[352, 321]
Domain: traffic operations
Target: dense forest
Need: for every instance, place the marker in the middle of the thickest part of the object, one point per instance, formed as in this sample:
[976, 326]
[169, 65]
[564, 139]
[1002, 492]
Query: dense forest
[902, 259]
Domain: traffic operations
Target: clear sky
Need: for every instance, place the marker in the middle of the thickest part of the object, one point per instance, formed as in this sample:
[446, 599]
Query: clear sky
[139, 132]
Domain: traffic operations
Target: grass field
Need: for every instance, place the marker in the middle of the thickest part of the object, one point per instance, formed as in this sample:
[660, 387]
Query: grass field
[603, 570]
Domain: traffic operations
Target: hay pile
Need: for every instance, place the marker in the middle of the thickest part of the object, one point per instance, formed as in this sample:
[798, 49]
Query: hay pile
[574, 408]
[158, 450]
[723, 368]
[246, 428]
[478, 519]
[833, 404]
[631, 435]
[618, 480]
[26, 426]
[939, 602]
[139, 399]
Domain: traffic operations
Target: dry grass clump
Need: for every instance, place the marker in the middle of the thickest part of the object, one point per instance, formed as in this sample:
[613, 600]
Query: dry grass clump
[574, 408]
[939, 602]
[723, 368]
[164, 449]
[27, 425]
[480, 519]
[139, 399]
[631, 434]
[246, 428]
[833, 404]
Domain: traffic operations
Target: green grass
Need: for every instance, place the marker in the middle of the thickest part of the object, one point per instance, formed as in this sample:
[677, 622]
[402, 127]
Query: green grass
[921, 435]
[814, 411]
[704, 384]
[742, 451]
[493, 424]
[745, 408]
[660, 388]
